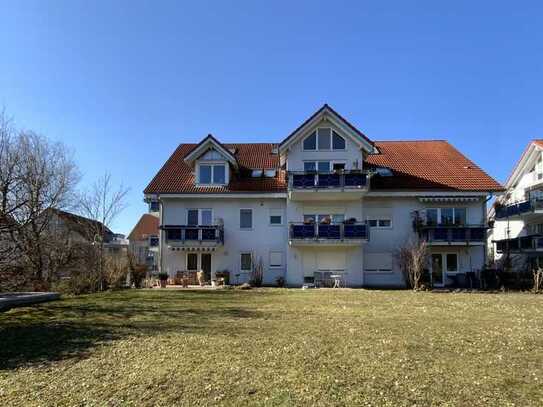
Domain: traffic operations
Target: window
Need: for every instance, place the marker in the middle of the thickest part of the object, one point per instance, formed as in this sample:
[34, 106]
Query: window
[245, 218]
[338, 166]
[219, 174]
[246, 262]
[276, 216]
[276, 259]
[431, 216]
[323, 139]
[378, 262]
[338, 142]
[197, 217]
[310, 142]
[446, 216]
[192, 217]
[212, 174]
[320, 166]
[452, 262]
[192, 261]
[173, 234]
[335, 218]
[153, 241]
[205, 174]
[270, 173]
[380, 223]
[154, 206]
[256, 173]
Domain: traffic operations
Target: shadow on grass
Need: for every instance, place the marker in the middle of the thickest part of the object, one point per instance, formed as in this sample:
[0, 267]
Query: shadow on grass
[72, 329]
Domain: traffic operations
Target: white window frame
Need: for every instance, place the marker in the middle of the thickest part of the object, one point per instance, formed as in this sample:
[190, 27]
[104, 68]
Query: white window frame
[275, 212]
[331, 146]
[454, 208]
[281, 253]
[378, 220]
[212, 164]
[330, 215]
[250, 253]
[252, 218]
[199, 216]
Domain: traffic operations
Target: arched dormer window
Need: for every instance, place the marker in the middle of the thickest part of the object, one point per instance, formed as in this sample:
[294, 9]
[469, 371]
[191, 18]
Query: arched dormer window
[324, 139]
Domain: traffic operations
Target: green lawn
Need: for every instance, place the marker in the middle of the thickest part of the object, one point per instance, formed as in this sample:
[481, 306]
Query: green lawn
[274, 347]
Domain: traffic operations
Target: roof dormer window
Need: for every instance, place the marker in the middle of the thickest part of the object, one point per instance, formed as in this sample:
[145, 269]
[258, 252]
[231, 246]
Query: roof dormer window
[211, 174]
[324, 139]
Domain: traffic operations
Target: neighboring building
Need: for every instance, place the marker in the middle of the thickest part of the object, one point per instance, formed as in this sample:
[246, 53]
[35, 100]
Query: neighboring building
[325, 201]
[516, 240]
[144, 241]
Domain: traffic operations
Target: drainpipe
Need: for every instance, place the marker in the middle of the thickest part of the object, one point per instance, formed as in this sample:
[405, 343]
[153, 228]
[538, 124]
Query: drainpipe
[161, 241]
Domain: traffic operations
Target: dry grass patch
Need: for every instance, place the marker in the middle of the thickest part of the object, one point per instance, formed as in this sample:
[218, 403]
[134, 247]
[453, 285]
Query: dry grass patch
[275, 347]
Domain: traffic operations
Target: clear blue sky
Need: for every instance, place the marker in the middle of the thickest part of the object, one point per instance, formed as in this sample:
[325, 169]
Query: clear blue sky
[123, 83]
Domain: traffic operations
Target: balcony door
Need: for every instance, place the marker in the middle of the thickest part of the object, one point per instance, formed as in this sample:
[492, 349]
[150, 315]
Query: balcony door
[197, 217]
[206, 265]
[441, 264]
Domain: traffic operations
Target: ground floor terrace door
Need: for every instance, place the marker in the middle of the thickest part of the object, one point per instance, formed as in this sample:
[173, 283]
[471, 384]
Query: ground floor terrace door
[441, 264]
[206, 265]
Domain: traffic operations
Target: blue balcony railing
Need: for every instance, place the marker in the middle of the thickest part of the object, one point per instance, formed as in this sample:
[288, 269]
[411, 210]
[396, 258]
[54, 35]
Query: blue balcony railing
[328, 180]
[333, 231]
[520, 244]
[194, 233]
[453, 233]
[519, 208]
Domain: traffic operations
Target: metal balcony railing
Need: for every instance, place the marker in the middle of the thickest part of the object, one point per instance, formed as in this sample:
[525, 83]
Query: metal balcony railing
[519, 208]
[194, 233]
[328, 180]
[340, 231]
[453, 233]
[519, 244]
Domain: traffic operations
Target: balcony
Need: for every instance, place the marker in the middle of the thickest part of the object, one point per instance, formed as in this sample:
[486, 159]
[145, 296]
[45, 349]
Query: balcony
[519, 209]
[344, 185]
[453, 235]
[193, 236]
[530, 243]
[314, 234]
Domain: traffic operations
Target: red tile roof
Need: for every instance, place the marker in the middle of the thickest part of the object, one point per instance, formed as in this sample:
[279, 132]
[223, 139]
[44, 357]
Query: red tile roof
[177, 177]
[146, 226]
[416, 165]
[428, 164]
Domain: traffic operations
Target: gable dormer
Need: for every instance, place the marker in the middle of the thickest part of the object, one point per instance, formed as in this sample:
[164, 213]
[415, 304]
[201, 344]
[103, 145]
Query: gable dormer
[212, 162]
[323, 142]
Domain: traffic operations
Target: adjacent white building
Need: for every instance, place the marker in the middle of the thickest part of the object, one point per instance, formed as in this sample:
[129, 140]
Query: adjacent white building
[326, 201]
[516, 240]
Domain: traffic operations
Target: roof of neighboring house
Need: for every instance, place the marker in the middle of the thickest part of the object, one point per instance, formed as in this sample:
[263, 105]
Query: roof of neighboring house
[178, 177]
[538, 143]
[146, 226]
[80, 223]
[416, 165]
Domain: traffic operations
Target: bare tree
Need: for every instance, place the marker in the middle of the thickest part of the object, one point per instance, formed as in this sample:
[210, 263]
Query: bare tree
[36, 176]
[103, 203]
[412, 258]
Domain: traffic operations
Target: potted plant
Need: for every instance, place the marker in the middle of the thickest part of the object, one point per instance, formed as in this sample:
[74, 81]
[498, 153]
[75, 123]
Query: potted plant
[163, 278]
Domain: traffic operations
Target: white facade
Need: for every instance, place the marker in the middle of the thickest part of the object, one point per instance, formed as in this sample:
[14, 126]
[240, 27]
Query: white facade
[249, 226]
[514, 241]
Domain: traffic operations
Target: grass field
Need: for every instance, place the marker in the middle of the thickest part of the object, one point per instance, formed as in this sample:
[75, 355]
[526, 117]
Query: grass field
[274, 347]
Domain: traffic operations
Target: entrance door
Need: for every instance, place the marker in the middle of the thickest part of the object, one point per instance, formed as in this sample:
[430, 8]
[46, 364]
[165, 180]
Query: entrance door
[206, 265]
[438, 274]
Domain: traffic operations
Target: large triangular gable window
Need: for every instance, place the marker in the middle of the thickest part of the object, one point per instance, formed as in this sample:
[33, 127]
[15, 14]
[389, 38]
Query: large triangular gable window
[324, 139]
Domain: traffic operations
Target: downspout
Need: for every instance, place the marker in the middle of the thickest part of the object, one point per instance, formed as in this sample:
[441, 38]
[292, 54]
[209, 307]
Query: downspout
[161, 240]
[485, 222]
